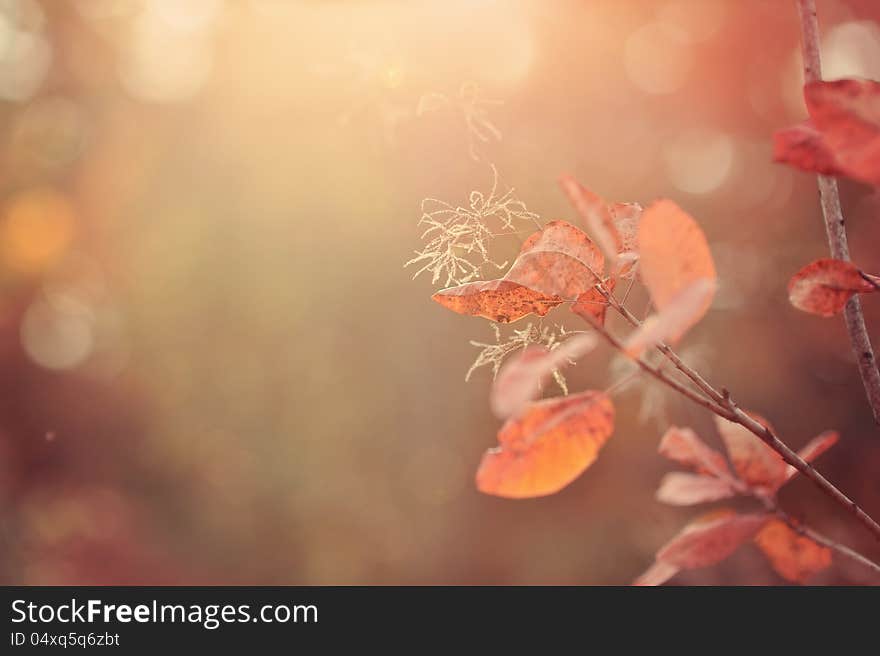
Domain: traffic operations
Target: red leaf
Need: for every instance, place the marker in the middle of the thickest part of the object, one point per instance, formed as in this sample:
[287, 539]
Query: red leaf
[823, 287]
[683, 489]
[524, 375]
[547, 446]
[499, 300]
[558, 260]
[684, 446]
[803, 147]
[843, 135]
[794, 557]
[813, 449]
[759, 466]
[592, 304]
[673, 254]
[673, 321]
[710, 539]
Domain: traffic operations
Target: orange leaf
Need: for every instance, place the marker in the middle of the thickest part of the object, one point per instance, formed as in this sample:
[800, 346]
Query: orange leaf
[813, 449]
[595, 214]
[547, 446]
[794, 557]
[625, 217]
[558, 260]
[499, 300]
[755, 463]
[684, 446]
[522, 377]
[673, 254]
[592, 304]
[657, 574]
[683, 489]
[673, 320]
[710, 539]
[823, 287]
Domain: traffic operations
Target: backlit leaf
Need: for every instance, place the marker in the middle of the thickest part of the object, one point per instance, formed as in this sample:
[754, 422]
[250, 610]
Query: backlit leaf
[683, 489]
[673, 255]
[558, 260]
[547, 446]
[523, 377]
[684, 446]
[674, 319]
[595, 213]
[755, 463]
[823, 287]
[842, 136]
[710, 539]
[795, 557]
[499, 300]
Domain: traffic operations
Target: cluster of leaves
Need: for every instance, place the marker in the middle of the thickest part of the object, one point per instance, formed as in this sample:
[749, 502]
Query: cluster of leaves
[758, 472]
[543, 445]
[841, 138]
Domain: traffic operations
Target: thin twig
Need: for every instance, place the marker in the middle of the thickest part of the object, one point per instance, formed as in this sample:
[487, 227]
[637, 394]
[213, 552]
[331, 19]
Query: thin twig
[723, 405]
[834, 222]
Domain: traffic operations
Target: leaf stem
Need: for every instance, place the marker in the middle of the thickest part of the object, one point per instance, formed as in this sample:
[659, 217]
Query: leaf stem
[835, 226]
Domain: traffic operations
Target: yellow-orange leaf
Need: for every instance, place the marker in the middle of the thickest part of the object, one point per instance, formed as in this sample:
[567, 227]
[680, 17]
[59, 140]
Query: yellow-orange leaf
[823, 287]
[558, 260]
[673, 254]
[710, 539]
[547, 446]
[755, 463]
[499, 300]
[814, 448]
[684, 446]
[794, 557]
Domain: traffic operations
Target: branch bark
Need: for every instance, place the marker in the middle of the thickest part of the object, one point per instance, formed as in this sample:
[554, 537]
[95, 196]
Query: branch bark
[835, 226]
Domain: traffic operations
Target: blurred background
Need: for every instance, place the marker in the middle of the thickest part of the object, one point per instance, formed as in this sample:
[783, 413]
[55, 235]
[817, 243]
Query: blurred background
[215, 367]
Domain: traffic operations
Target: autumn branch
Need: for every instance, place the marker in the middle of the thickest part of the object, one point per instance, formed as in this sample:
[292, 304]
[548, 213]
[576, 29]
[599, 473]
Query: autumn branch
[834, 223]
[722, 404]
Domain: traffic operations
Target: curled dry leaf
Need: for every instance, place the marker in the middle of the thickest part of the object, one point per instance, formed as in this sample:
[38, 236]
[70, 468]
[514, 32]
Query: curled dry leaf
[673, 254]
[523, 376]
[823, 287]
[592, 304]
[502, 301]
[547, 446]
[683, 489]
[710, 539]
[795, 557]
[684, 446]
[759, 466]
[843, 134]
[558, 260]
[674, 319]
[813, 449]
